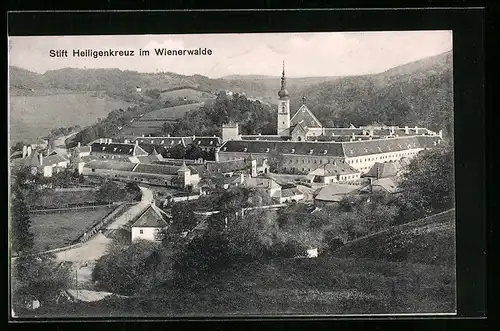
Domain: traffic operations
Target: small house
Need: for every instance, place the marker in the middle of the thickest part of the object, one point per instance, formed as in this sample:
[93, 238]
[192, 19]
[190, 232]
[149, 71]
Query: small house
[149, 224]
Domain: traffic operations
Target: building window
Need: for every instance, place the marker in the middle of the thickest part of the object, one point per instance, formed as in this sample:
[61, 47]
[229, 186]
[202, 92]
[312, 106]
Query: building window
[141, 231]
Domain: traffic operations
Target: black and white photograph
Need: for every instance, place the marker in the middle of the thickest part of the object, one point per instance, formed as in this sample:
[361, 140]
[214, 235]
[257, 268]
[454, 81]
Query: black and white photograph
[232, 174]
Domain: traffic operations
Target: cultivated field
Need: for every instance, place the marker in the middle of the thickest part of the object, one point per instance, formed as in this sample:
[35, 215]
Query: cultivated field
[58, 229]
[171, 113]
[189, 94]
[34, 116]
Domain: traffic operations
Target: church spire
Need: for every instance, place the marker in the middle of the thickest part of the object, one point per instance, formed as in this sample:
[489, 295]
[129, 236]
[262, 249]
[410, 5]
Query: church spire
[283, 93]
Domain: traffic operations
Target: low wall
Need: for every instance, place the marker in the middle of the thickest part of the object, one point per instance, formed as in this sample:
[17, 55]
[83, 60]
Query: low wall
[49, 210]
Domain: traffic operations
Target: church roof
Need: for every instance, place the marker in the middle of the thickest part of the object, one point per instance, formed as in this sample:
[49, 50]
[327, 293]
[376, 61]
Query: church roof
[303, 114]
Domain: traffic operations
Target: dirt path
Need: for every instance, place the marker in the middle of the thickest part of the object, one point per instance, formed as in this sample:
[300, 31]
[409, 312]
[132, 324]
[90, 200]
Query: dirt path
[96, 247]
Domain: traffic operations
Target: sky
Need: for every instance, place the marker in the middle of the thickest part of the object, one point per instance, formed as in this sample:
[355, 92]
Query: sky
[305, 54]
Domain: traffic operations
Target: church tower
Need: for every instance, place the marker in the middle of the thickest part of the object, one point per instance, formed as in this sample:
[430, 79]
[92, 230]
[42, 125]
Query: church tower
[283, 107]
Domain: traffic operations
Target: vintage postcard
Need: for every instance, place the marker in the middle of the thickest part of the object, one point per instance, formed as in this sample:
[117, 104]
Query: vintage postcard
[263, 174]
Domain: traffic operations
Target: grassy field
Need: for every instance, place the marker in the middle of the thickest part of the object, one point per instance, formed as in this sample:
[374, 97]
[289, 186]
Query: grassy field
[53, 230]
[171, 113]
[189, 94]
[430, 240]
[34, 116]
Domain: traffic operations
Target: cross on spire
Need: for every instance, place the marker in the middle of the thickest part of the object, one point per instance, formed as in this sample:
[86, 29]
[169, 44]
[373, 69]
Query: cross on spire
[304, 99]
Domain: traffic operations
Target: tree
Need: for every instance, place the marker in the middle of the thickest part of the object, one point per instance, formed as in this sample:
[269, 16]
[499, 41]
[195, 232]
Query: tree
[110, 192]
[139, 268]
[24, 190]
[427, 184]
[22, 237]
[41, 277]
[276, 161]
[194, 152]
[177, 152]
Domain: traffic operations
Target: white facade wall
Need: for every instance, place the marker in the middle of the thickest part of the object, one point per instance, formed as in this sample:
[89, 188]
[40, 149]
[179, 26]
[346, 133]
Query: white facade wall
[296, 197]
[365, 162]
[148, 233]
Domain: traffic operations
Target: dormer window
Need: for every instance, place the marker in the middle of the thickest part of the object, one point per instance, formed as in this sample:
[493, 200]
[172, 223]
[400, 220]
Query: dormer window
[211, 142]
[325, 151]
[267, 150]
[293, 150]
[311, 151]
[225, 148]
[366, 150]
[130, 150]
[380, 149]
[199, 142]
[245, 149]
[172, 142]
[114, 149]
[103, 147]
[162, 142]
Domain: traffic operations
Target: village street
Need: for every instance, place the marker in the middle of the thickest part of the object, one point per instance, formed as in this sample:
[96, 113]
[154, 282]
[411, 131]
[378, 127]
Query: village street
[85, 256]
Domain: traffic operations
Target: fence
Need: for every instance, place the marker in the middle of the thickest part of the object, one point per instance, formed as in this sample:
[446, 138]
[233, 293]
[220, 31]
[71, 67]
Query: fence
[93, 230]
[93, 206]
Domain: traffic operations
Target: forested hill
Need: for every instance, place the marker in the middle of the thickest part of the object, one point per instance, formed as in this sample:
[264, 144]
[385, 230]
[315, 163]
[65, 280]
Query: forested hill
[419, 93]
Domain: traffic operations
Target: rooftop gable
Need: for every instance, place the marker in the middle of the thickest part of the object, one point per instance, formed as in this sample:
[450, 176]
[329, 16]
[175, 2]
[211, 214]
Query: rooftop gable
[303, 114]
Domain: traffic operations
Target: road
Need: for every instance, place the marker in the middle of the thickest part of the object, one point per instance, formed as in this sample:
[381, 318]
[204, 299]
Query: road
[60, 145]
[96, 247]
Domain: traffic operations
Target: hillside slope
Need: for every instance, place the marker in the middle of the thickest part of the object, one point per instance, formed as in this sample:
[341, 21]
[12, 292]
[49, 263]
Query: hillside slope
[430, 240]
[419, 93]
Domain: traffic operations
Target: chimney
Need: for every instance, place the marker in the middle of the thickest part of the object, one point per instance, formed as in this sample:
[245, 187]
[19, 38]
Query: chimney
[407, 131]
[168, 135]
[79, 144]
[126, 141]
[28, 151]
[137, 142]
[143, 135]
[416, 129]
[25, 151]
[353, 137]
[40, 159]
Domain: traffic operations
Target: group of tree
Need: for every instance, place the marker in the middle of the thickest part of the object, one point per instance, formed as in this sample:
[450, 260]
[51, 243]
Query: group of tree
[253, 117]
[39, 277]
[233, 238]
[110, 191]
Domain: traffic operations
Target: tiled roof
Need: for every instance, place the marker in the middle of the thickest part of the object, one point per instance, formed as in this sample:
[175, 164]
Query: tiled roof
[82, 149]
[110, 165]
[376, 146]
[156, 169]
[118, 149]
[290, 192]
[149, 158]
[387, 184]
[261, 182]
[150, 218]
[335, 192]
[207, 141]
[226, 166]
[266, 137]
[333, 169]
[165, 141]
[54, 159]
[382, 170]
[288, 147]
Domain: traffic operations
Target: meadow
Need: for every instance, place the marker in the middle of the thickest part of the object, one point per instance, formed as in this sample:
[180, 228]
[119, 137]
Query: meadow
[34, 116]
[58, 229]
